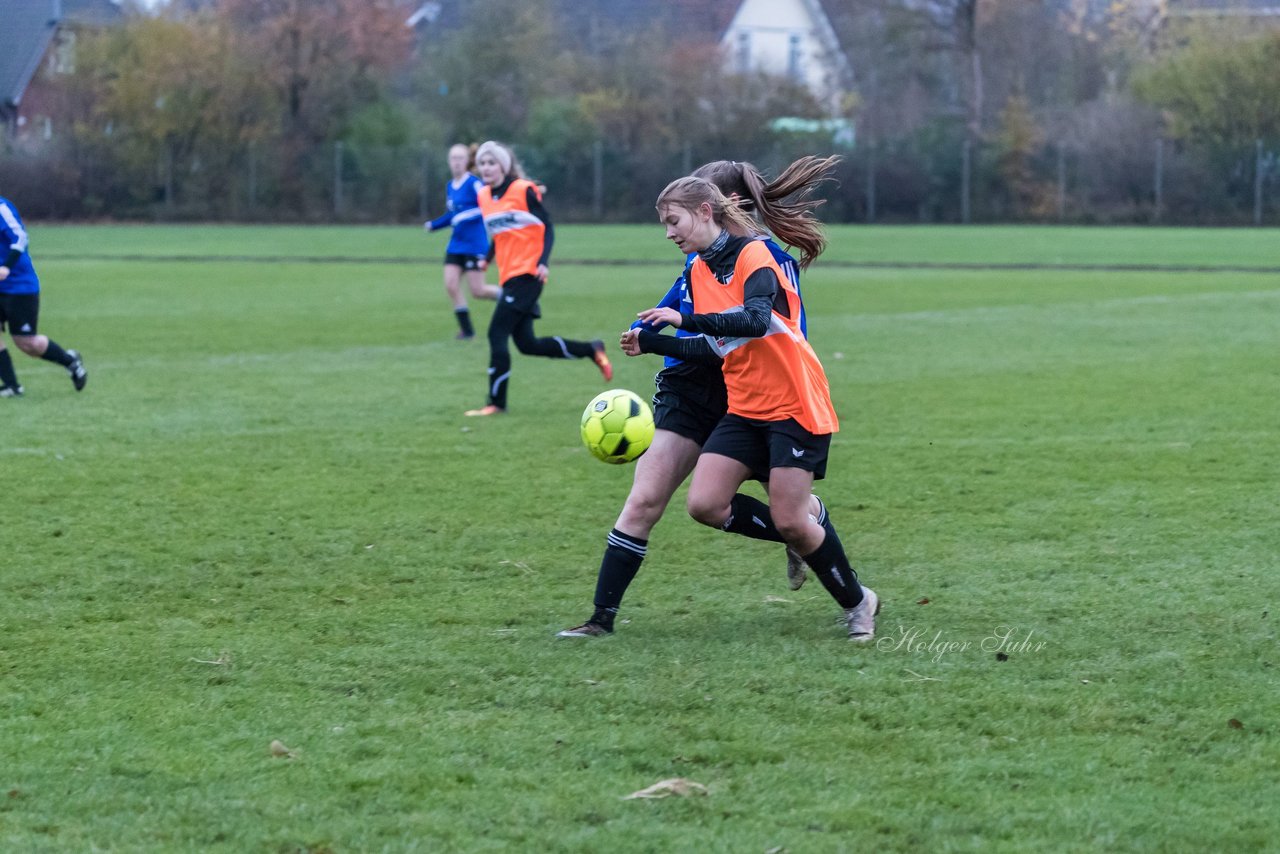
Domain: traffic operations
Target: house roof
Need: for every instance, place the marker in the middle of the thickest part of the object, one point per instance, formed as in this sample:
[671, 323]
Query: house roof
[1224, 8]
[91, 12]
[691, 20]
[29, 26]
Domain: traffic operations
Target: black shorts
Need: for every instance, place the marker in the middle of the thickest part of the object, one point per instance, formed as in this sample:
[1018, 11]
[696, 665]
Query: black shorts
[765, 445]
[466, 262]
[689, 400]
[520, 294]
[19, 313]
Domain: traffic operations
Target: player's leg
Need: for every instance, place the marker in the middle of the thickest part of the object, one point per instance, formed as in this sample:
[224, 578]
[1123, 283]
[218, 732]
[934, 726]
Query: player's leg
[659, 472]
[736, 451]
[9, 386]
[716, 479]
[504, 322]
[453, 287]
[480, 289]
[555, 347]
[24, 314]
[790, 492]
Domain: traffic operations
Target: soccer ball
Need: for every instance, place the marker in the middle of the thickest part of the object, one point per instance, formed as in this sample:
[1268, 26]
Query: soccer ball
[617, 426]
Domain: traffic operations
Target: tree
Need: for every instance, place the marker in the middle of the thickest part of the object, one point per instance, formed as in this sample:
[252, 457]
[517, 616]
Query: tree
[325, 61]
[1218, 91]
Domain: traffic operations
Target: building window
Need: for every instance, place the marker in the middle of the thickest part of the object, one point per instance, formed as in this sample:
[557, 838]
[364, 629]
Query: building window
[744, 51]
[793, 57]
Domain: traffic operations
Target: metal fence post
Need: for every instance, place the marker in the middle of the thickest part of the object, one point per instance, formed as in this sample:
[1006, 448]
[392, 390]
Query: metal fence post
[423, 187]
[597, 180]
[337, 179]
[253, 178]
[1258, 170]
[1062, 183]
[966, 163]
[1159, 178]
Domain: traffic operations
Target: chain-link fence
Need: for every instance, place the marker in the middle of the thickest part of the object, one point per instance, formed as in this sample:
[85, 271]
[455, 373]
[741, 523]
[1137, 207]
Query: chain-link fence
[949, 180]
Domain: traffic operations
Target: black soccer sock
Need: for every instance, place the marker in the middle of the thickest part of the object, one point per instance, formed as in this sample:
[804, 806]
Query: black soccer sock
[623, 555]
[751, 518]
[464, 321]
[54, 353]
[831, 565]
[7, 375]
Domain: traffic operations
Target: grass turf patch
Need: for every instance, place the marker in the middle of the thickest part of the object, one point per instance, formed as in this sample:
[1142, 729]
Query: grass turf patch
[265, 518]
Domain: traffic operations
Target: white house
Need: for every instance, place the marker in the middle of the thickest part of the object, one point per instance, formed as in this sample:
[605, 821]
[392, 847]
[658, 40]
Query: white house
[792, 38]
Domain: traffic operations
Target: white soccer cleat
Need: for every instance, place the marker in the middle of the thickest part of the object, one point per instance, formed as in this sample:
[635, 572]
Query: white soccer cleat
[862, 619]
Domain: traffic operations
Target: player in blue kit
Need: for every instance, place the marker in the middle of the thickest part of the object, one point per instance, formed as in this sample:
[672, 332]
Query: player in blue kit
[469, 245]
[20, 307]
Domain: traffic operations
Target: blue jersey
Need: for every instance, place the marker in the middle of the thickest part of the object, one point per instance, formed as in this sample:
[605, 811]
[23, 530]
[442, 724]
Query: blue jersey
[679, 298]
[22, 277]
[462, 211]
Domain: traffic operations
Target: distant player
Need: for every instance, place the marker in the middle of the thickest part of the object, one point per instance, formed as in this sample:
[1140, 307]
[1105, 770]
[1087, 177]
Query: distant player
[469, 244]
[20, 308]
[522, 236]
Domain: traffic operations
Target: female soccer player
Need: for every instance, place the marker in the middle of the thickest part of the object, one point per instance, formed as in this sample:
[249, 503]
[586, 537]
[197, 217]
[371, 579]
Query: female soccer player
[469, 243]
[522, 236]
[20, 308]
[690, 398]
[780, 417]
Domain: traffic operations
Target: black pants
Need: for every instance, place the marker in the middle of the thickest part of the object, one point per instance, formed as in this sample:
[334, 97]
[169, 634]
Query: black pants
[513, 320]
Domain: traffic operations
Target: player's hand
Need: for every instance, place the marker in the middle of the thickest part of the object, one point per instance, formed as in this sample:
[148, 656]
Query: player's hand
[542, 273]
[629, 343]
[4, 273]
[656, 316]
[427, 226]
[482, 265]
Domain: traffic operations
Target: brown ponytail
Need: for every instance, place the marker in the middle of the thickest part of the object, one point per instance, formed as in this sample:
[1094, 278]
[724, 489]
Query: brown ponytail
[785, 205]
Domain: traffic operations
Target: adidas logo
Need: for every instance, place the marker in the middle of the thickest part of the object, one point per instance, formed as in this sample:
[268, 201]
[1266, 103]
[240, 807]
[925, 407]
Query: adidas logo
[26, 327]
[509, 299]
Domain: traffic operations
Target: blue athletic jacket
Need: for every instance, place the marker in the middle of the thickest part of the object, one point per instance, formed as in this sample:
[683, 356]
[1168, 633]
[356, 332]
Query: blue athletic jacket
[462, 211]
[13, 253]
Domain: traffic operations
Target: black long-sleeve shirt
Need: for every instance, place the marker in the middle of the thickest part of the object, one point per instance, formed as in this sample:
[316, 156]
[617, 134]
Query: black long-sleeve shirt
[762, 295]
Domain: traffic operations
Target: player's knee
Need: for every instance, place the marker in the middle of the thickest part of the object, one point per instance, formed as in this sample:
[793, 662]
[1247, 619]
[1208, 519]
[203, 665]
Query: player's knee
[792, 529]
[710, 513]
[642, 511]
[27, 344]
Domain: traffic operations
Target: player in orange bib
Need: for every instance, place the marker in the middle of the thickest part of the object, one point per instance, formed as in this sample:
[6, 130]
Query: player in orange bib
[780, 416]
[521, 234]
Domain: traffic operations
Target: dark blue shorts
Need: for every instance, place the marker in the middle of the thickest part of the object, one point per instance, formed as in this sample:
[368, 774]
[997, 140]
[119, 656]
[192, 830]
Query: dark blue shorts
[466, 262]
[689, 400]
[19, 313]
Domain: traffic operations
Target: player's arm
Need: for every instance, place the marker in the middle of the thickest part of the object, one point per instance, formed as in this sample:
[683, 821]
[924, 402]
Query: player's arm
[752, 321]
[670, 300]
[549, 235]
[14, 235]
[440, 222]
[694, 348]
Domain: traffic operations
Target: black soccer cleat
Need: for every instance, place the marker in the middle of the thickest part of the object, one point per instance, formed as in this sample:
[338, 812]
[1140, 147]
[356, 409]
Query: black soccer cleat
[79, 376]
[10, 391]
[586, 630]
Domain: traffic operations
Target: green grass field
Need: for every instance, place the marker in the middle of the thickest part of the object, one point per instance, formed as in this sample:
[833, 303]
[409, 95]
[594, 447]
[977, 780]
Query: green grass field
[265, 519]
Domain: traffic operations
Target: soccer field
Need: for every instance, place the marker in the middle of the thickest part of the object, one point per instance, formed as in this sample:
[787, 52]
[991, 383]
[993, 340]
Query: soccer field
[265, 519]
